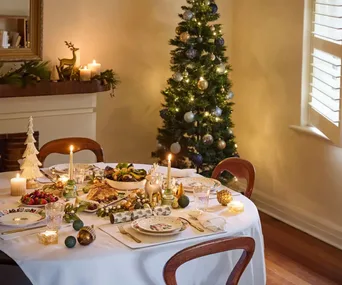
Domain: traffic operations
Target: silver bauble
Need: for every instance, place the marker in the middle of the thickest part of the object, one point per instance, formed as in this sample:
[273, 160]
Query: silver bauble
[230, 131]
[189, 117]
[191, 53]
[185, 74]
[208, 139]
[199, 39]
[202, 84]
[212, 28]
[175, 148]
[184, 37]
[221, 144]
[221, 68]
[187, 15]
[217, 112]
[178, 77]
[230, 95]
[212, 57]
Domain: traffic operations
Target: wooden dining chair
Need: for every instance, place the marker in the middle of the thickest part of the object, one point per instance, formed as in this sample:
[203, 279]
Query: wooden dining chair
[212, 247]
[62, 146]
[240, 168]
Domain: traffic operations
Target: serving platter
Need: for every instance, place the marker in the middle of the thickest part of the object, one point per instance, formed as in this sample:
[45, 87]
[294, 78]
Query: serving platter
[64, 167]
[159, 224]
[120, 185]
[19, 217]
[190, 182]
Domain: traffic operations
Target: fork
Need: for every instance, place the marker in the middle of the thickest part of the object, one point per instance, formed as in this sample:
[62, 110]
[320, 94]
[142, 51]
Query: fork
[124, 232]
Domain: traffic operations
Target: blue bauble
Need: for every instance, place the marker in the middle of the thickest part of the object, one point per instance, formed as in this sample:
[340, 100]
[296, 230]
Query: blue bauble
[219, 41]
[214, 8]
[191, 53]
[163, 113]
[197, 159]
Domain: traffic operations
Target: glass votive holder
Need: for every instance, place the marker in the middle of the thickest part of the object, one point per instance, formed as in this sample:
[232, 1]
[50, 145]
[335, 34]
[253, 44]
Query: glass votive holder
[48, 237]
[236, 207]
[79, 175]
[54, 215]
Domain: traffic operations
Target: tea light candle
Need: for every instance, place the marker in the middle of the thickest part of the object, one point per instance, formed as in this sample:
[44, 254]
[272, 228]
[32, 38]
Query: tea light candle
[18, 186]
[48, 237]
[95, 68]
[236, 207]
[85, 74]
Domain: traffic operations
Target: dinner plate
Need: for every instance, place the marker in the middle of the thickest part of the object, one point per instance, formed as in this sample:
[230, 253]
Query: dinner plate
[135, 227]
[64, 168]
[19, 217]
[190, 182]
[160, 224]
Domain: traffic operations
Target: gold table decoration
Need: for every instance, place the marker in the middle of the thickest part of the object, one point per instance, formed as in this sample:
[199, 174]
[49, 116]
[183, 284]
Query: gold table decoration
[224, 197]
[48, 237]
[236, 207]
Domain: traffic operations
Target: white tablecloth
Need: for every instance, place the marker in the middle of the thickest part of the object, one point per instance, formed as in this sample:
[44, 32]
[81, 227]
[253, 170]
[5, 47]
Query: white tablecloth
[107, 261]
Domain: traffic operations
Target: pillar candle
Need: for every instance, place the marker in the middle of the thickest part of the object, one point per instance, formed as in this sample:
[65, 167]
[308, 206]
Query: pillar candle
[168, 177]
[85, 74]
[71, 163]
[18, 186]
[95, 68]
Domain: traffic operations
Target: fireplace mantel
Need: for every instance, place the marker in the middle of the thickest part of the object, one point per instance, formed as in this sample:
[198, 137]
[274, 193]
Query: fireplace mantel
[46, 88]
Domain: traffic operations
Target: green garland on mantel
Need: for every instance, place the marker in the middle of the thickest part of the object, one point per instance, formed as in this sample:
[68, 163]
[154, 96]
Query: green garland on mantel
[31, 72]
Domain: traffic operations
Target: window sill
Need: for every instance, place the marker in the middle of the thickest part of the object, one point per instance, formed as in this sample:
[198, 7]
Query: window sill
[312, 131]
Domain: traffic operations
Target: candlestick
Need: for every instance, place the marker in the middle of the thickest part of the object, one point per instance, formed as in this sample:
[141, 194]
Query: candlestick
[236, 207]
[169, 157]
[85, 74]
[18, 186]
[48, 237]
[71, 163]
[95, 68]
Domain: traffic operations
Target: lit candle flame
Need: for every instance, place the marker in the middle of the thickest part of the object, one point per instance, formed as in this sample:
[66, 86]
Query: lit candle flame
[94, 61]
[169, 157]
[18, 175]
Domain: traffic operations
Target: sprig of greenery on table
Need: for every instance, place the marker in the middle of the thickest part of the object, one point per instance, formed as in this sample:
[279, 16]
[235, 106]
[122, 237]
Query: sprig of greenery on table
[108, 77]
[71, 211]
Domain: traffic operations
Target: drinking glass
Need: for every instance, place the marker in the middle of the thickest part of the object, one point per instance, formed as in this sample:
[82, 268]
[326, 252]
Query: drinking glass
[54, 215]
[79, 175]
[201, 197]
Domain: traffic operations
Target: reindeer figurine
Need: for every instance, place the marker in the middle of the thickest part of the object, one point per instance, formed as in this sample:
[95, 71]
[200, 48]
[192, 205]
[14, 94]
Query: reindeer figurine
[153, 184]
[68, 63]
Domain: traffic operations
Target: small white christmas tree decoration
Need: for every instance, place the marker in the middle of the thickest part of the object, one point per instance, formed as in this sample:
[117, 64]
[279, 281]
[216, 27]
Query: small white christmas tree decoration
[54, 77]
[30, 165]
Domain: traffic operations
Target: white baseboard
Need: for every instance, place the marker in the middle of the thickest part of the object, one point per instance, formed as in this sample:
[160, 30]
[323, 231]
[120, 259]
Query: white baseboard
[304, 221]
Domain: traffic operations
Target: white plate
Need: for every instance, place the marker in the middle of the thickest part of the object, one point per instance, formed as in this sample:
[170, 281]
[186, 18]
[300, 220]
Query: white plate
[160, 224]
[126, 185]
[190, 182]
[64, 168]
[19, 217]
[135, 227]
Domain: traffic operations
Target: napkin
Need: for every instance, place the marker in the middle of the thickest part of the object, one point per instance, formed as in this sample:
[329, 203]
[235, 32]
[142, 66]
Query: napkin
[183, 172]
[209, 221]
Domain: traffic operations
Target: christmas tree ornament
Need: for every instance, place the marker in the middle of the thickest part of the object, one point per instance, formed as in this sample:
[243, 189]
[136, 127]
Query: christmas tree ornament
[77, 225]
[70, 242]
[199, 39]
[202, 84]
[230, 95]
[189, 117]
[30, 166]
[175, 204]
[221, 68]
[163, 113]
[187, 15]
[224, 197]
[212, 28]
[185, 74]
[159, 145]
[212, 57]
[208, 139]
[86, 235]
[191, 53]
[183, 201]
[223, 90]
[221, 144]
[217, 112]
[197, 159]
[219, 41]
[178, 30]
[230, 131]
[184, 37]
[178, 77]
[214, 8]
[207, 2]
[175, 148]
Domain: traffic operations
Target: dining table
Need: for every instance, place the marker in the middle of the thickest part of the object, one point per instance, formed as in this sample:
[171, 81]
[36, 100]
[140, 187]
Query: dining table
[109, 260]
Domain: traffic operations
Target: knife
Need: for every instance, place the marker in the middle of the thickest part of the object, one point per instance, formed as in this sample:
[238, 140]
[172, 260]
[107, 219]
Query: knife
[21, 230]
[193, 225]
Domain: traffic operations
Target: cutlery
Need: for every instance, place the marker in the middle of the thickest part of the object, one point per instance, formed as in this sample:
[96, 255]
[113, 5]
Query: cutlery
[105, 231]
[193, 225]
[124, 232]
[21, 230]
[47, 175]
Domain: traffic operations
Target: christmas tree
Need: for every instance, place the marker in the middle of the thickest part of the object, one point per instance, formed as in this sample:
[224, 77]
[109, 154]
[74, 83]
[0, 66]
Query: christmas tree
[196, 115]
[30, 165]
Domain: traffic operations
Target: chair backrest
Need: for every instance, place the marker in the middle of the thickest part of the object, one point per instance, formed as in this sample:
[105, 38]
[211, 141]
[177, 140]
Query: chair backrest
[240, 168]
[62, 146]
[212, 247]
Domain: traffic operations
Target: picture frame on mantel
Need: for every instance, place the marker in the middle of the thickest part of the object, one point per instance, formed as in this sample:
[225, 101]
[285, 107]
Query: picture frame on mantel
[34, 48]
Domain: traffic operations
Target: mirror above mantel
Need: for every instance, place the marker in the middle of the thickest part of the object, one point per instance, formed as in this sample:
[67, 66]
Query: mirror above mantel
[21, 29]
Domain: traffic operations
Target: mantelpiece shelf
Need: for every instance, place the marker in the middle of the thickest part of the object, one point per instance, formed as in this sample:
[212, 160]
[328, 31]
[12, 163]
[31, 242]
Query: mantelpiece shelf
[46, 88]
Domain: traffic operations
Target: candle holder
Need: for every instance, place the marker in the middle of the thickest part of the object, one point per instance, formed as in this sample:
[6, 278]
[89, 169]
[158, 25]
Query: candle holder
[236, 207]
[70, 190]
[48, 237]
[168, 197]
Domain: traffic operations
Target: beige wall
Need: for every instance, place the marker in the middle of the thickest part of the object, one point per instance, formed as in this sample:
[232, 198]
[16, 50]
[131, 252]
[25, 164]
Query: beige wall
[296, 171]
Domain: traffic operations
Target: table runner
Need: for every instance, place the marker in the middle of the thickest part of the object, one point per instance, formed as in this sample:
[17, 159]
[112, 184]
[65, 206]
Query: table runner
[107, 261]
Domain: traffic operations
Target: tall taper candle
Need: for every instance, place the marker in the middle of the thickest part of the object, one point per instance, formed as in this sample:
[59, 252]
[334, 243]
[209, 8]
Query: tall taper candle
[71, 163]
[169, 157]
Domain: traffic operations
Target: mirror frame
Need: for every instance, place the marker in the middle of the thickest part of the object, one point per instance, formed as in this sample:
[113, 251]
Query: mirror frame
[35, 52]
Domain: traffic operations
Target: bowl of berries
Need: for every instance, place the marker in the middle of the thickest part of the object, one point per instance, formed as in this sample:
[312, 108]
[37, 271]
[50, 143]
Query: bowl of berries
[37, 198]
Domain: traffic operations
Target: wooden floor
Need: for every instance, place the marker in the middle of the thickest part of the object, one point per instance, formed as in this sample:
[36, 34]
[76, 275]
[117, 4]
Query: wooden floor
[296, 258]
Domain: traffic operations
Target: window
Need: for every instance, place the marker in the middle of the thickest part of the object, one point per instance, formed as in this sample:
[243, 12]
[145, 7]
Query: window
[321, 87]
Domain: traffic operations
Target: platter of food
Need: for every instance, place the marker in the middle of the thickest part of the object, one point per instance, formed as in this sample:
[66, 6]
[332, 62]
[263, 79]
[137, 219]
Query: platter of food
[19, 217]
[37, 198]
[125, 177]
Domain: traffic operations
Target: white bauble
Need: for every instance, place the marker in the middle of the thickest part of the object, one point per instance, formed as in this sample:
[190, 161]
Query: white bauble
[230, 95]
[212, 57]
[217, 112]
[178, 77]
[221, 68]
[175, 148]
[189, 117]
[187, 15]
